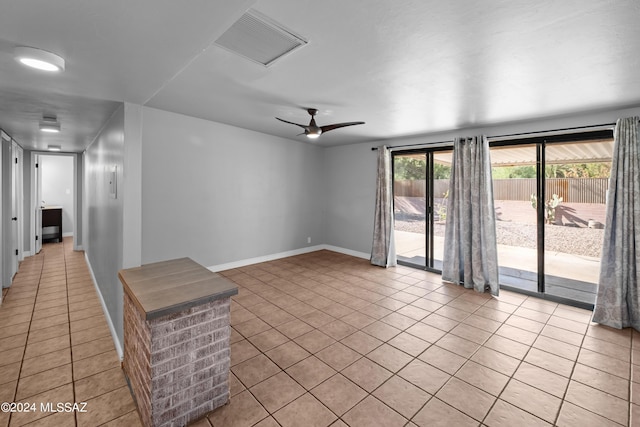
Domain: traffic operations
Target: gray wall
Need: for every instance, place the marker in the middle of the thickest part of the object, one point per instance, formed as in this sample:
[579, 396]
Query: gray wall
[103, 215]
[350, 176]
[78, 238]
[218, 194]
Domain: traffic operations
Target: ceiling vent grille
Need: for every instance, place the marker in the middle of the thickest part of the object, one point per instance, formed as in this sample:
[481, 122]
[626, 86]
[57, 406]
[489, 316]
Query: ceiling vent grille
[259, 38]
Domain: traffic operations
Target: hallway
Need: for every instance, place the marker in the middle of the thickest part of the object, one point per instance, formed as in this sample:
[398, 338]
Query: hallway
[56, 347]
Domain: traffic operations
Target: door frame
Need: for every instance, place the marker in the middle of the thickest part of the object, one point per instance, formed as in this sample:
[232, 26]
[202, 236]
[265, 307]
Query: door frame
[36, 196]
[19, 196]
[9, 252]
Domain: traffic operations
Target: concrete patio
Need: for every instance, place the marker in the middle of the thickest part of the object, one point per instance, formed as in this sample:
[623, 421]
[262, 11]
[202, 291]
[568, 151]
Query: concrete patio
[560, 265]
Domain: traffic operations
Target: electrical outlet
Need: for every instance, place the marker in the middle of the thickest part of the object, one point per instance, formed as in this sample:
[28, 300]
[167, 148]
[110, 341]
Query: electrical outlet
[308, 239]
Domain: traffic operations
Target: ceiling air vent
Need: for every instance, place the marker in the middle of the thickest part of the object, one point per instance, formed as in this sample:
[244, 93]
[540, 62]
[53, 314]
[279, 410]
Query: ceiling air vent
[259, 38]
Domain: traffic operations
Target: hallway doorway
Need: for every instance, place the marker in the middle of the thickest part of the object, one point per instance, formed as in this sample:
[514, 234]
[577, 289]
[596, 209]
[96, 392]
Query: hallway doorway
[56, 185]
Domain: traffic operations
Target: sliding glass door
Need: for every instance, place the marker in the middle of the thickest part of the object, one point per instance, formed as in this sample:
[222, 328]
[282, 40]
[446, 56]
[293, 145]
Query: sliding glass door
[550, 201]
[576, 177]
[514, 192]
[410, 207]
[421, 188]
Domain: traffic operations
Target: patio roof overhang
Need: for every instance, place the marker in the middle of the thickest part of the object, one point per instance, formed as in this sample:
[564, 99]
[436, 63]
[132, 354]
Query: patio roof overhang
[600, 150]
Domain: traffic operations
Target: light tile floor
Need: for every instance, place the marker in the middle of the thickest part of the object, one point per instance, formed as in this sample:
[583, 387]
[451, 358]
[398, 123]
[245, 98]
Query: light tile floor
[326, 339]
[55, 346]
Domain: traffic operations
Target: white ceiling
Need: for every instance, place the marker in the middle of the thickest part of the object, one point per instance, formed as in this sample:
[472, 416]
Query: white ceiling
[405, 68]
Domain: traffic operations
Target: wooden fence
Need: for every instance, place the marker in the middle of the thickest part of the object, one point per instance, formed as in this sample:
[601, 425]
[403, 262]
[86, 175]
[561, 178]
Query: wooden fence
[572, 190]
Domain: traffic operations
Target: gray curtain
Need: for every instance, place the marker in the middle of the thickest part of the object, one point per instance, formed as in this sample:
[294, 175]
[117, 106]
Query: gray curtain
[383, 251]
[470, 251]
[618, 301]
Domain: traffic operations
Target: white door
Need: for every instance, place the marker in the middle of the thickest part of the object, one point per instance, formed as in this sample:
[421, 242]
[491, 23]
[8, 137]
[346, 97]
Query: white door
[14, 252]
[19, 188]
[9, 266]
[37, 205]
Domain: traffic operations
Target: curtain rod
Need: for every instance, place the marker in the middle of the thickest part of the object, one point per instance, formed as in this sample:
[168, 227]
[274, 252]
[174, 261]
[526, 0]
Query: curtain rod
[427, 144]
[515, 136]
[552, 132]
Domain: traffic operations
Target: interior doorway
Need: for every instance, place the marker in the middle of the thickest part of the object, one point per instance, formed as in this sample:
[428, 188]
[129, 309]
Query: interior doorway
[57, 193]
[11, 217]
[55, 189]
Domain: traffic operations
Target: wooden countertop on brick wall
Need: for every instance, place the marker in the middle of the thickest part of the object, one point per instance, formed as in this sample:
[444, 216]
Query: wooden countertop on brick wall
[168, 287]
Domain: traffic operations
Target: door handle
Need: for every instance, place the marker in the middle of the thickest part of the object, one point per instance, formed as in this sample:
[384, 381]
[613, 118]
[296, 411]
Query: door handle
[15, 218]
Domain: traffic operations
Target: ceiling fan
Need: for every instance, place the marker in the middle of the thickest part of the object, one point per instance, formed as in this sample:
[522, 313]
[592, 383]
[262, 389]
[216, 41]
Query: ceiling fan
[313, 131]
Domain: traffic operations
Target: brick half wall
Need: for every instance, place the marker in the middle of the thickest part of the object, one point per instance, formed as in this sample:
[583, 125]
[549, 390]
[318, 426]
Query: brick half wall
[178, 364]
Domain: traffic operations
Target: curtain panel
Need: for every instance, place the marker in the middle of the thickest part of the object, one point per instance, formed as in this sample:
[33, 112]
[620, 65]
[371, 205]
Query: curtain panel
[618, 300]
[383, 251]
[470, 250]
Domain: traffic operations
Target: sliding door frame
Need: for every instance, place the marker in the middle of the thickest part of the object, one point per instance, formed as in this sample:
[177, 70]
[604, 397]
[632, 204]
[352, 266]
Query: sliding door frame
[429, 201]
[541, 143]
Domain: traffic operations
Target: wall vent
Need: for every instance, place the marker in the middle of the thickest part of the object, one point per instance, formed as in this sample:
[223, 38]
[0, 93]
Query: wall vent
[259, 38]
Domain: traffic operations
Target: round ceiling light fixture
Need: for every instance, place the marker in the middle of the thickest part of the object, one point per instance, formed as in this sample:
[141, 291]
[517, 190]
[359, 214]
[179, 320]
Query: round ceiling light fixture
[39, 59]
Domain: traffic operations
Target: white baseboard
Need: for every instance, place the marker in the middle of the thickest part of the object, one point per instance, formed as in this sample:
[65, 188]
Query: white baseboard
[26, 254]
[265, 258]
[222, 267]
[67, 234]
[272, 257]
[338, 249]
[114, 335]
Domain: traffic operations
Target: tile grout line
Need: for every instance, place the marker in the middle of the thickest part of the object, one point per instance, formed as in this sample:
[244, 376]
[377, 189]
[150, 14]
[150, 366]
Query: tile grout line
[338, 417]
[538, 334]
[365, 356]
[383, 342]
[24, 352]
[521, 304]
[66, 280]
[522, 360]
[573, 369]
[73, 379]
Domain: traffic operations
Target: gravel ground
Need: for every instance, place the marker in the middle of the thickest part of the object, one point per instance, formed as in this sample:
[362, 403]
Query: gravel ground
[558, 238]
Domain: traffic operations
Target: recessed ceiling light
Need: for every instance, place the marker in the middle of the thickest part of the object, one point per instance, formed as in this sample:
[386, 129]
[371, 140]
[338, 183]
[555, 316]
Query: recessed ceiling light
[54, 148]
[39, 59]
[50, 124]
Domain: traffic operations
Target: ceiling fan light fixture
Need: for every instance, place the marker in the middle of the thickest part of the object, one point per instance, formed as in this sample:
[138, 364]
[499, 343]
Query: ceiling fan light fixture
[39, 59]
[312, 130]
[50, 124]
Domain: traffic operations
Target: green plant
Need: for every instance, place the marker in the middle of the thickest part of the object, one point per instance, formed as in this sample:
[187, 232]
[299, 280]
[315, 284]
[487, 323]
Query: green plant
[441, 209]
[549, 207]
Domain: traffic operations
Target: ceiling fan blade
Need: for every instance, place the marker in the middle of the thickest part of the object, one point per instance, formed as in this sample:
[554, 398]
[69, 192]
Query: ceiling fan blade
[291, 123]
[327, 128]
